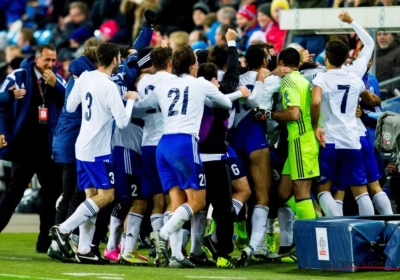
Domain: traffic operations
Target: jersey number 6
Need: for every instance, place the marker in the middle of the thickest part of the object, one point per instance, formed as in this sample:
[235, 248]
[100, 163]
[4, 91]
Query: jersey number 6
[171, 111]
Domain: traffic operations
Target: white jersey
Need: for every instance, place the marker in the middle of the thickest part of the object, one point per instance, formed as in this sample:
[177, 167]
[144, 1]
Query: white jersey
[311, 73]
[340, 93]
[271, 86]
[248, 80]
[131, 136]
[181, 100]
[101, 102]
[153, 119]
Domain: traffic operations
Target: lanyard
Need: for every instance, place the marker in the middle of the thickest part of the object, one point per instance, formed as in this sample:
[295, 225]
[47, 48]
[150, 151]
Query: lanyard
[42, 93]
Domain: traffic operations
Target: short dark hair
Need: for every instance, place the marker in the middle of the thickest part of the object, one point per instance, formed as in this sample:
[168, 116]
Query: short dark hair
[182, 59]
[218, 55]
[124, 50]
[208, 71]
[223, 28]
[342, 38]
[336, 52]
[255, 54]
[160, 57]
[41, 48]
[290, 57]
[106, 53]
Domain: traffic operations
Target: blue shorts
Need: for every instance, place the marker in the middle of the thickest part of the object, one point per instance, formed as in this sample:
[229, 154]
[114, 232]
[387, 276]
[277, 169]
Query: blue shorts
[151, 183]
[128, 173]
[97, 174]
[343, 167]
[369, 160]
[236, 169]
[178, 162]
[249, 136]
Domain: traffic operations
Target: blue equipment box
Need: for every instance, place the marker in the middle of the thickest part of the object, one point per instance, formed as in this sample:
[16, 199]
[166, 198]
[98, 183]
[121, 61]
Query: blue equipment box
[392, 249]
[338, 244]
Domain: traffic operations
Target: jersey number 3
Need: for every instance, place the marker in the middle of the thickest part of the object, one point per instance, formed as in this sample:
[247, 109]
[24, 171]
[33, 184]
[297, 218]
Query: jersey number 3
[171, 111]
[88, 114]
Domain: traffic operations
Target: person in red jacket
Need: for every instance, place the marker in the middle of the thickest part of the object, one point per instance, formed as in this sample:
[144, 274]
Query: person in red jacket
[276, 36]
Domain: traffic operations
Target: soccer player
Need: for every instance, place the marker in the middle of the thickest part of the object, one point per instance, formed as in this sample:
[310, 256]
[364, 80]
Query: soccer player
[161, 59]
[335, 94]
[250, 143]
[181, 100]
[101, 105]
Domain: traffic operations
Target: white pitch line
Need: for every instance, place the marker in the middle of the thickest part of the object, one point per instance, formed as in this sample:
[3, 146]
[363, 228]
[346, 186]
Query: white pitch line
[83, 274]
[111, 278]
[28, 277]
[216, 277]
[14, 258]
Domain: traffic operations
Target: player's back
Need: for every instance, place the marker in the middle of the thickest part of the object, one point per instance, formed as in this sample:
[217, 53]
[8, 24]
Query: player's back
[340, 94]
[295, 83]
[248, 80]
[181, 100]
[311, 73]
[153, 128]
[96, 91]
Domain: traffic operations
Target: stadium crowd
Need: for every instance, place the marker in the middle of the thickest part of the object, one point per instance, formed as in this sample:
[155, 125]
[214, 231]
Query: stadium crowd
[142, 115]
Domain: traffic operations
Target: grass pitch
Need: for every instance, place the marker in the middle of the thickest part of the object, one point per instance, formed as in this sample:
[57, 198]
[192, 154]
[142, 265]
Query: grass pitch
[18, 260]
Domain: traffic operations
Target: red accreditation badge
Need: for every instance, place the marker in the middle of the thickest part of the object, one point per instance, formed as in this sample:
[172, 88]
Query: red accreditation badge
[43, 114]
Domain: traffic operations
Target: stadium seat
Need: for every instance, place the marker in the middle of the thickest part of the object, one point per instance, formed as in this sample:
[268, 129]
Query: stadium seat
[44, 37]
[12, 37]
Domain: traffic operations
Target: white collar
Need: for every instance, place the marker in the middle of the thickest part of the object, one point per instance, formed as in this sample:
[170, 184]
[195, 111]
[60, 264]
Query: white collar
[37, 73]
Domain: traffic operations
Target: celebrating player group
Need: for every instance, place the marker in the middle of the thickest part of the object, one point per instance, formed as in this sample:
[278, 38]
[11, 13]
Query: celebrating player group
[167, 137]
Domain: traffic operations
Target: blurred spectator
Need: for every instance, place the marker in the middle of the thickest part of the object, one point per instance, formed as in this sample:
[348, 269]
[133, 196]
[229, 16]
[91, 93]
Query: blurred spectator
[220, 34]
[77, 40]
[264, 19]
[246, 19]
[353, 3]
[108, 30]
[177, 39]
[14, 64]
[13, 11]
[275, 35]
[387, 59]
[197, 36]
[12, 52]
[210, 25]
[200, 10]
[226, 15]
[77, 17]
[26, 41]
[388, 3]
[315, 44]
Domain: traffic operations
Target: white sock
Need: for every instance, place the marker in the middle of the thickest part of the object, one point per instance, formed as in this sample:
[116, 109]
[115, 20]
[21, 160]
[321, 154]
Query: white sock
[270, 226]
[197, 229]
[86, 232]
[382, 203]
[181, 215]
[115, 233]
[157, 221]
[237, 205]
[339, 204]
[286, 220]
[258, 222]
[175, 241]
[54, 245]
[365, 206]
[166, 217]
[132, 232]
[83, 213]
[328, 204]
[123, 240]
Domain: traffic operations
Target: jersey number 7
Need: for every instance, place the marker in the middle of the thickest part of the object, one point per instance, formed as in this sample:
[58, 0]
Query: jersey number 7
[171, 111]
[346, 89]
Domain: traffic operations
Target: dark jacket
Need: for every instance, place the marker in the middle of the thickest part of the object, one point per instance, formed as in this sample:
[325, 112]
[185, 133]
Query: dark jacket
[13, 113]
[69, 124]
[216, 120]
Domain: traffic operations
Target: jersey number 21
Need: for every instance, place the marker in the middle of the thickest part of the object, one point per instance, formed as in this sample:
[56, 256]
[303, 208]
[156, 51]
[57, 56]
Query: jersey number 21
[177, 93]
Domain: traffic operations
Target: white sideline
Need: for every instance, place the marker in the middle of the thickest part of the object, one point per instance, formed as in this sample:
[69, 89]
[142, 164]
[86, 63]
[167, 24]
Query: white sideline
[83, 274]
[216, 277]
[28, 277]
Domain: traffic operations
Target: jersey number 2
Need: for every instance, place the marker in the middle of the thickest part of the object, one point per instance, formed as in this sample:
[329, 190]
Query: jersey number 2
[346, 89]
[88, 114]
[171, 111]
